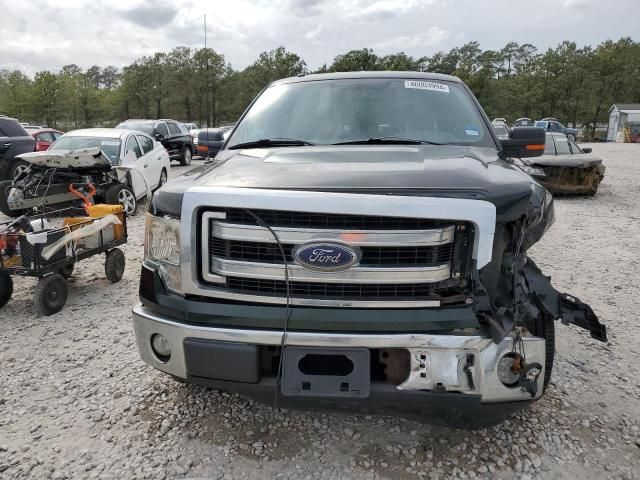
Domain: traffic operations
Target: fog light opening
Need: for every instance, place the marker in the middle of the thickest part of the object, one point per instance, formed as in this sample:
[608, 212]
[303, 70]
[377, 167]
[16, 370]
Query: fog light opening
[161, 348]
[506, 373]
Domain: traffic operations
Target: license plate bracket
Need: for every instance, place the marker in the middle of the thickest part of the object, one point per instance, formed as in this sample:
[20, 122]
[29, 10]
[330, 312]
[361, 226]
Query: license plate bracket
[326, 372]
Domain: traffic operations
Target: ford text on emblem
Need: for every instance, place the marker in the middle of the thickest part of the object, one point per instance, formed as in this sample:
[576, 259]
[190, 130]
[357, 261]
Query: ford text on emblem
[326, 256]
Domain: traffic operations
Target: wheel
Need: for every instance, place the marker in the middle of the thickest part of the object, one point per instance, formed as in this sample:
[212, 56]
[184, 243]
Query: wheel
[18, 168]
[114, 265]
[163, 179]
[545, 328]
[50, 294]
[6, 288]
[185, 158]
[122, 195]
[594, 187]
[5, 185]
[67, 270]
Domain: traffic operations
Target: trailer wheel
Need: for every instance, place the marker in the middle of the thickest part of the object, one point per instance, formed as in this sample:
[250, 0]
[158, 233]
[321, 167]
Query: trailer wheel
[114, 265]
[50, 294]
[6, 288]
[67, 270]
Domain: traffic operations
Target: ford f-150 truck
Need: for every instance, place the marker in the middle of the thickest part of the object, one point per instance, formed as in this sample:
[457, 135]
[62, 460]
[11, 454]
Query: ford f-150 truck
[359, 243]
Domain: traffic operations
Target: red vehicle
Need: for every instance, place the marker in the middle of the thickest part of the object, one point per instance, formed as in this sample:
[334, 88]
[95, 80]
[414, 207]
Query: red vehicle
[44, 137]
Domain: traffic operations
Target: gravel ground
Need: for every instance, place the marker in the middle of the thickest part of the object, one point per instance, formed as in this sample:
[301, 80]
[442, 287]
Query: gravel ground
[77, 402]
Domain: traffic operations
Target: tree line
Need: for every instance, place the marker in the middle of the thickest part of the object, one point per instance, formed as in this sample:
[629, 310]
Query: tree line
[575, 85]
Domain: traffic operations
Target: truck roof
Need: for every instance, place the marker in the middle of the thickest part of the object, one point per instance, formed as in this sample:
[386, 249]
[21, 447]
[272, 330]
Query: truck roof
[369, 74]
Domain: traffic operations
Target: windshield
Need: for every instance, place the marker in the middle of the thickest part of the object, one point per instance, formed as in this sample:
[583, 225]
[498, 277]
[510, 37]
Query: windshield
[541, 124]
[143, 127]
[337, 111]
[109, 146]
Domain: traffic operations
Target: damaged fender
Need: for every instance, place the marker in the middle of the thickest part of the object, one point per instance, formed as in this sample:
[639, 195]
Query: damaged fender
[568, 309]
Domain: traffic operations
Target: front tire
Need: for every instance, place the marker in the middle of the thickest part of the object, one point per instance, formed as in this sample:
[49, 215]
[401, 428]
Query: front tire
[545, 328]
[50, 294]
[5, 186]
[122, 195]
[185, 157]
[18, 168]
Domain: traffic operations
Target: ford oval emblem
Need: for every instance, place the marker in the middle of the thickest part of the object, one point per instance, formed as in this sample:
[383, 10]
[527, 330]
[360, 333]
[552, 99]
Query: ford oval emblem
[326, 256]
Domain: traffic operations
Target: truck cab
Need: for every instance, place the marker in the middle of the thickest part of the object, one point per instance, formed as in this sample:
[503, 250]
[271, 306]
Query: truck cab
[359, 243]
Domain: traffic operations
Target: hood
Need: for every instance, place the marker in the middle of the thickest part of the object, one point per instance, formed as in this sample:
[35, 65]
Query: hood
[81, 158]
[425, 170]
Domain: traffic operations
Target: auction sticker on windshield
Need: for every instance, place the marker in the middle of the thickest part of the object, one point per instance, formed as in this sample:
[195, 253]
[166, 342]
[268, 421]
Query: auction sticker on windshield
[422, 85]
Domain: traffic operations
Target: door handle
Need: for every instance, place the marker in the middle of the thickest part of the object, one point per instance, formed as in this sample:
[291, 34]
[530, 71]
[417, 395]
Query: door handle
[146, 165]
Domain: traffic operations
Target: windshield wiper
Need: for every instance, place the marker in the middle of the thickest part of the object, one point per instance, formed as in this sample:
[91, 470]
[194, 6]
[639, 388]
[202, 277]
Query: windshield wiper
[389, 141]
[271, 142]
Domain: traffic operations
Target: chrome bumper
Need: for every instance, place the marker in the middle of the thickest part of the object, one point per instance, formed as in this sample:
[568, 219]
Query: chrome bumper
[435, 359]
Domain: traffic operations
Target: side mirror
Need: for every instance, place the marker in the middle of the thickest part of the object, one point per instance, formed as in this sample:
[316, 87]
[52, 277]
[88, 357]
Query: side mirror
[159, 137]
[524, 142]
[587, 150]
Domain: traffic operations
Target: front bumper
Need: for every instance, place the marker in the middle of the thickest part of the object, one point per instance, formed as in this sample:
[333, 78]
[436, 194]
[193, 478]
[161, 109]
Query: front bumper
[437, 369]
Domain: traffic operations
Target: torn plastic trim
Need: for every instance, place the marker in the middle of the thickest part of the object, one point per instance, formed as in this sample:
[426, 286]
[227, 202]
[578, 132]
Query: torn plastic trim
[560, 306]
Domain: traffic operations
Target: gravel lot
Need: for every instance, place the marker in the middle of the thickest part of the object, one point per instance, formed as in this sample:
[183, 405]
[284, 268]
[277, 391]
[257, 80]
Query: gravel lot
[77, 402]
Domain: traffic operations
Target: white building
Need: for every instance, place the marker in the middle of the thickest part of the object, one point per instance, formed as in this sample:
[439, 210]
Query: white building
[624, 122]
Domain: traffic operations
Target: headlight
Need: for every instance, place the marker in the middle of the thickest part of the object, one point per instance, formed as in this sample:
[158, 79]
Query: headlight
[162, 250]
[533, 171]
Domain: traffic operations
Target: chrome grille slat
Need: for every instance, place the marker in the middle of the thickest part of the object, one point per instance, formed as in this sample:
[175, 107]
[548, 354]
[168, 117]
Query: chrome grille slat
[355, 237]
[366, 275]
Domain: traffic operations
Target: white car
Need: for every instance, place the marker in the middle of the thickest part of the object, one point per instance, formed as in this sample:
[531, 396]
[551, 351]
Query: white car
[146, 160]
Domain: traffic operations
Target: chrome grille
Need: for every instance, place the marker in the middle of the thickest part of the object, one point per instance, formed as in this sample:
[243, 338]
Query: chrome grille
[404, 262]
[270, 253]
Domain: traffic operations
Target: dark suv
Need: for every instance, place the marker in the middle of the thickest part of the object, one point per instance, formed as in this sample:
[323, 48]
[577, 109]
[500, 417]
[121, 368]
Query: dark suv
[14, 140]
[177, 141]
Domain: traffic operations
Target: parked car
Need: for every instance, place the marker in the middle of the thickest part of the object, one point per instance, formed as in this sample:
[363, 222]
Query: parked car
[14, 140]
[552, 125]
[523, 122]
[210, 141]
[142, 163]
[191, 126]
[359, 243]
[501, 129]
[44, 137]
[565, 167]
[175, 140]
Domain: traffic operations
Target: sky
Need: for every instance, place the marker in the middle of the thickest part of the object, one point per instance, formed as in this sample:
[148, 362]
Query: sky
[39, 34]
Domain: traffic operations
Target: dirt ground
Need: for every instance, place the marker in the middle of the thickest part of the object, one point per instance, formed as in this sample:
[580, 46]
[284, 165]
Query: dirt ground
[77, 402]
